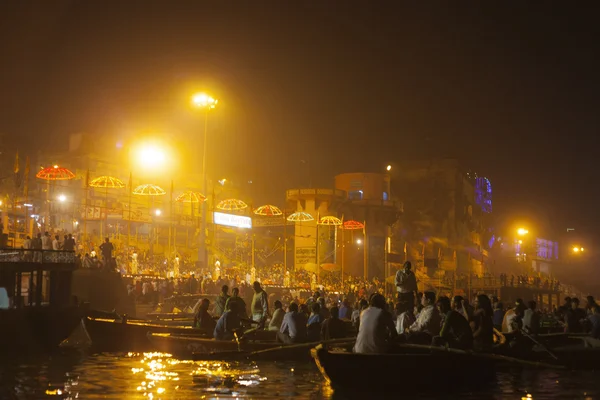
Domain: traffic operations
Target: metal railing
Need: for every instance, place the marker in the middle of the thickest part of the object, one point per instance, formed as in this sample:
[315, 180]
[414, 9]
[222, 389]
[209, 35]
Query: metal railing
[38, 256]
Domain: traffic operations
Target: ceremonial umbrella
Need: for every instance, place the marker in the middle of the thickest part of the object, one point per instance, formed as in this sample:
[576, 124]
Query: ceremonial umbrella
[231, 205]
[268, 211]
[53, 173]
[192, 198]
[300, 216]
[151, 191]
[106, 182]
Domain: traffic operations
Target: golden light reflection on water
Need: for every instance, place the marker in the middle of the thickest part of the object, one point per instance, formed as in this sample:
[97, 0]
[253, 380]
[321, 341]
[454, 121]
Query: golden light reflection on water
[155, 375]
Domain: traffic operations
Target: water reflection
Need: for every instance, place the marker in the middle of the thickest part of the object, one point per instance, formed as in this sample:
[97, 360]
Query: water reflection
[161, 376]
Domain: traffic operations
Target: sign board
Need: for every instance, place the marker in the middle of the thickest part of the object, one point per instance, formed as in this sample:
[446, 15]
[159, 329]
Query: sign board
[236, 221]
[305, 255]
[93, 213]
[260, 222]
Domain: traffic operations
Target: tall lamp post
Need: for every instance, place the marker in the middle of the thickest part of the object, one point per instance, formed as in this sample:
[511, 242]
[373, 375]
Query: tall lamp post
[207, 103]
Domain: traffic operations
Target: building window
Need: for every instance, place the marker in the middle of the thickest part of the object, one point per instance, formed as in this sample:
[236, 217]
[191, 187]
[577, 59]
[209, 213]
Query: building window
[355, 195]
[385, 196]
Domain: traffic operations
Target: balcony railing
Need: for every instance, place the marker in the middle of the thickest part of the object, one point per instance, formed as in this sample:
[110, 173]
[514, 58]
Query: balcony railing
[37, 256]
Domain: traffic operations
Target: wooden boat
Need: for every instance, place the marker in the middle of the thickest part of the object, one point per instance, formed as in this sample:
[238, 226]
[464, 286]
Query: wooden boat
[129, 335]
[41, 312]
[195, 347]
[423, 366]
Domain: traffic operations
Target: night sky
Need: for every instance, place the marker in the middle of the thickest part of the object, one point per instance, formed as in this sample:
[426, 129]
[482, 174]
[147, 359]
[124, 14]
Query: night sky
[511, 90]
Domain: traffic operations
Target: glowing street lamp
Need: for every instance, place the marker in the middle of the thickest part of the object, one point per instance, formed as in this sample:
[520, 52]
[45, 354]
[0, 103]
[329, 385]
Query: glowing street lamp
[158, 212]
[577, 249]
[388, 168]
[207, 103]
[522, 231]
[62, 198]
[358, 241]
[151, 156]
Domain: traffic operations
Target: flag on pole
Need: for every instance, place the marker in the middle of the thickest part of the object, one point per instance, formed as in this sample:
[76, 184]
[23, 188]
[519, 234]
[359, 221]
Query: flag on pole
[87, 178]
[26, 187]
[16, 169]
[439, 253]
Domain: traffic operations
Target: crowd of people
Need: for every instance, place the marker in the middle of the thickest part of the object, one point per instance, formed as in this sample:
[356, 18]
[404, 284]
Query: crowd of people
[413, 317]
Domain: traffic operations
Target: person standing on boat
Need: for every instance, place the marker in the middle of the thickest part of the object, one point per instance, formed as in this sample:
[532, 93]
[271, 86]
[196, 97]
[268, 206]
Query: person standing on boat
[106, 249]
[406, 284]
[483, 325]
[221, 301]
[574, 316]
[293, 327]
[531, 318]
[241, 304]
[260, 305]
[456, 330]
[376, 328]
[595, 322]
[228, 324]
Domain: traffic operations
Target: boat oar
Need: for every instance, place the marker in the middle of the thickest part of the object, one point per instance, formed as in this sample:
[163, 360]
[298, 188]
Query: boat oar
[527, 335]
[298, 346]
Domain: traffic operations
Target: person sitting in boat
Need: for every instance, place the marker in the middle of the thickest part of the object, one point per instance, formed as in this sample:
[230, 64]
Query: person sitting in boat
[360, 307]
[595, 322]
[235, 298]
[221, 301]
[574, 316]
[313, 299]
[456, 331]
[482, 324]
[228, 324]
[333, 327]
[376, 328]
[590, 305]
[277, 318]
[345, 310]
[531, 319]
[428, 322]
[510, 316]
[203, 320]
[404, 316]
[324, 311]
[293, 327]
[260, 305]
[315, 320]
[498, 315]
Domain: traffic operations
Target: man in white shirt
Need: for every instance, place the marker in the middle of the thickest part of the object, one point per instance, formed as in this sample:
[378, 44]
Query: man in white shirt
[376, 328]
[428, 323]
[56, 243]
[46, 242]
[406, 284]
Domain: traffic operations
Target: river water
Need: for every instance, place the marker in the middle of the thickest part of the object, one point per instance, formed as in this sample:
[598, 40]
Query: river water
[76, 375]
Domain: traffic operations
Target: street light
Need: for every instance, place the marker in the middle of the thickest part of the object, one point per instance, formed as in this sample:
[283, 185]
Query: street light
[522, 231]
[206, 102]
[577, 249]
[388, 168]
[157, 213]
[358, 241]
[62, 198]
[151, 156]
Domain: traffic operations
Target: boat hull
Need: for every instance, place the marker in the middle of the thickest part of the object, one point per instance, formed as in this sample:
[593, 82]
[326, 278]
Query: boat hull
[36, 329]
[194, 347]
[115, 335]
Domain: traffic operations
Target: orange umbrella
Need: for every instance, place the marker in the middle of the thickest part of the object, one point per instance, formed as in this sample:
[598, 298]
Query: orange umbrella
[330, 267]
[55, 173]
[268, 210]
[353, 225]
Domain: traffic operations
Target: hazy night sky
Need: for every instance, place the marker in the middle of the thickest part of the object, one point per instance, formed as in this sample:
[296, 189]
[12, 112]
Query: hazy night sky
[510, 90]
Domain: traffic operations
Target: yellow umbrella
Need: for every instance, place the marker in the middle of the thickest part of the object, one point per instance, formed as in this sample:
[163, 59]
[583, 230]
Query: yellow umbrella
[330, 220]
[107, 182]
[268, 210]
[231, 205]
[300, 216]
[149, 190]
